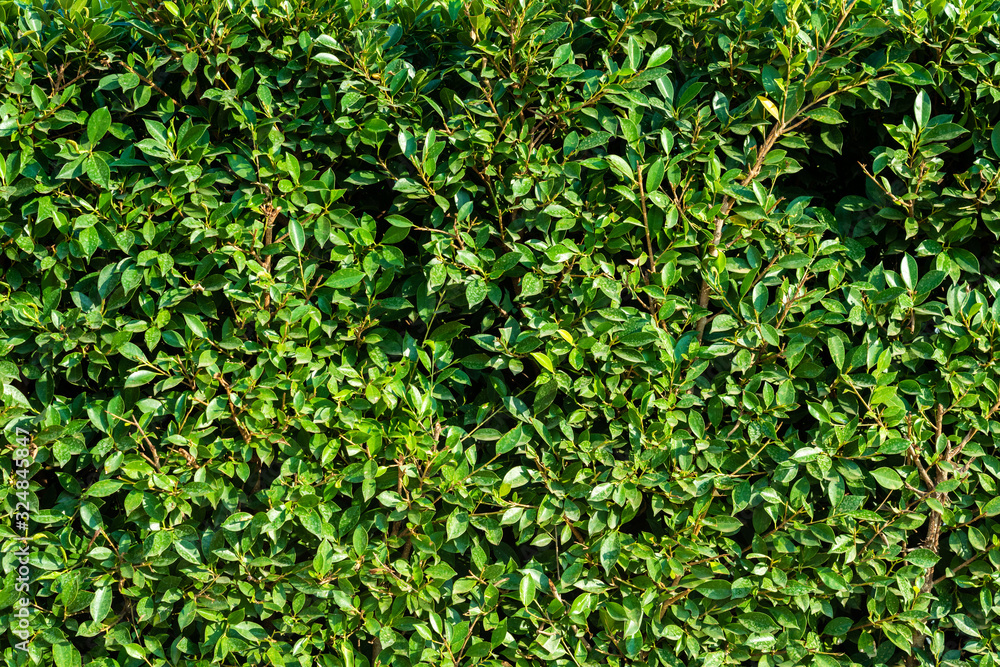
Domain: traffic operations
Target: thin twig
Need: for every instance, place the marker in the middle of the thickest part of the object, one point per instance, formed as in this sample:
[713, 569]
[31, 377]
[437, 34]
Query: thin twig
[270, 214]
[649, 241]
[961, 566]
[720, 220]
[152, 448]
[232, 407]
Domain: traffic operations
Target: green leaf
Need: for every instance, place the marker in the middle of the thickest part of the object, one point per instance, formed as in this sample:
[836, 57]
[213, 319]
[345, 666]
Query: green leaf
[98, 124]
[610, 550]
[965, 624]
[152, 337]
[929, 281]
[398, 221]
[757, 643]
[326, 58]
[995, 140]
[526, 590]
[690, 93]
[833, 580]
[321, 232]
[241, 166]
[715, 589]
[943, 132]
[159, 543]
[345, 278]
[360, 541]
[190, 136]
[621, 167]
[66, 655]
[139, 378]
[517, 477]
[836, 347]
[509, 441]
[914, 75]
[456, 525]
[867, 643]
[909, 271]
[558, 211]
[807, 454]
[758, 622]
[922, 558]
[818, 412]
[554, 31]
[659, 56]
[197, 328]
[407, 144]
[838, 627]
[887, 478]
[98, 171]
[39, 98]
[965, 260]
[794, 261]
[887, 295]
[720, 105]
[100, 605]
[922, 109]
[374, 131]
[102, 488]
[190, 61]
[655, 175]
[297, 236]
[475, 291]
[992, 507]
[90, 240]
[440, 571]
[825, 115]
[946, 486]
[447, 331]
[593, 141]
[543, 361]
[237, 522]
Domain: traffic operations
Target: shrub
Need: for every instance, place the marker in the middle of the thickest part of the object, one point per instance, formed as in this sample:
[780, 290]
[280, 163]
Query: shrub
[436, 333]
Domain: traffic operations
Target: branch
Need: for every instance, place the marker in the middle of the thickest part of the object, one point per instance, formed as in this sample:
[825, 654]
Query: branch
[649, 241]
[152, 448]
[961, 566]
[270, 215]
[147, 81]
[950, 455]
[232, 408]
[720, 220]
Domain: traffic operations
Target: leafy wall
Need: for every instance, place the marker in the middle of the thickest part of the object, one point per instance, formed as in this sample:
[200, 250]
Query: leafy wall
[497, 333]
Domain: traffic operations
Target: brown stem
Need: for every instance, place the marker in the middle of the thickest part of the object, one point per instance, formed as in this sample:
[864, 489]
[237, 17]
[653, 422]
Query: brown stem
[270, 215]
[577, 535]
[152, 448]
[232, 408]
[720, 220]
[829, 41]
[950, 455]
[961, 566]
[923, 471]
[934, 524]
[649, 240]
[407, 548]
[91, 543]
[151, 84]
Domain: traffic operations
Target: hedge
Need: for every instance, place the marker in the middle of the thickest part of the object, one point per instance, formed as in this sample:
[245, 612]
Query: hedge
[423, 333]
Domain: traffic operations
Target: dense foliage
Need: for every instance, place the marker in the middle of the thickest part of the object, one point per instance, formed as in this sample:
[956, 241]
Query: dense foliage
[494, 333]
